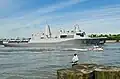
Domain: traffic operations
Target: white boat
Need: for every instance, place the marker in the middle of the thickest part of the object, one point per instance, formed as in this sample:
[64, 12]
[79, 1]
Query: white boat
[96, 48]
[73, 37]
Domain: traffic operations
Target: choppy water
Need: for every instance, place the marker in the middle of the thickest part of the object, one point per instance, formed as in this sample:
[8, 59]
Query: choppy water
[39, 63]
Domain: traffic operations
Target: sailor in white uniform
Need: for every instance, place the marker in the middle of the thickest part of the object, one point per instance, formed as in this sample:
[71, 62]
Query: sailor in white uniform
[75, 60]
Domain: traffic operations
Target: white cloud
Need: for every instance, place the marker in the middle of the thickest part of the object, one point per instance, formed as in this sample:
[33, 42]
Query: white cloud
[30, 19]
[95, 20]
[103, 20]
[59, 6]
[34, 14]
[8, 7]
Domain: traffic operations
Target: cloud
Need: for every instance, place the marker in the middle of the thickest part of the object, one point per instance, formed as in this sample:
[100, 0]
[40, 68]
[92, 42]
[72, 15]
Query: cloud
[94, 21]
[30, 19]
[59, 6]
[34, 14]
[42, 13]
[8, 7]
[90, 20]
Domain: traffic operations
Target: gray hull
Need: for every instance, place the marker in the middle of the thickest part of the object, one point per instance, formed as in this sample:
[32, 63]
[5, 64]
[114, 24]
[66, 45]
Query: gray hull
[70, 43]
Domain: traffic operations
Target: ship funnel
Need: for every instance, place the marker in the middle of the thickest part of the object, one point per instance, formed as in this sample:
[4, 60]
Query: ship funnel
[47, 31]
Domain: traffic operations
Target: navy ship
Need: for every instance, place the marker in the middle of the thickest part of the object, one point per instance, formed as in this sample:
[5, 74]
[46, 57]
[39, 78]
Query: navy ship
[70, 38]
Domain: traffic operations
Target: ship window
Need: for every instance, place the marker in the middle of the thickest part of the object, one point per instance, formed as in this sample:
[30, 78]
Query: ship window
[63, 36]
[42, 37]
[24, 41]
[13, 41]
[81, 34]
[77, 33]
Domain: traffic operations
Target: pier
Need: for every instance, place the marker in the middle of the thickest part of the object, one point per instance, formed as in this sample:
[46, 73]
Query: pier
[89, 71]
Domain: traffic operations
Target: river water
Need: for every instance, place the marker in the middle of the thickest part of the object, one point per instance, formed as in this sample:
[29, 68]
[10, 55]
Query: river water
[39, 63]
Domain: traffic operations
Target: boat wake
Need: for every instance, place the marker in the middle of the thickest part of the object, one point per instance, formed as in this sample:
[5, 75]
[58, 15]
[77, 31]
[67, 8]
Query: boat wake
[26, 49]
[34, 49]
[75, 49]
[94, 48]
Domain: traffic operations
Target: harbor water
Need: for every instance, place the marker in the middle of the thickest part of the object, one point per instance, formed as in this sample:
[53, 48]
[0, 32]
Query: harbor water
[42, 63]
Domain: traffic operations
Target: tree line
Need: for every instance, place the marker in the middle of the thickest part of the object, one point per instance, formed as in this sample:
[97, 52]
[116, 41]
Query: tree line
[109, 36]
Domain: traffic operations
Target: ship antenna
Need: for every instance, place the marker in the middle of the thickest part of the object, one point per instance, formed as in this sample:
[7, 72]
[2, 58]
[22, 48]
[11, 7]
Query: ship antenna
[76, 26]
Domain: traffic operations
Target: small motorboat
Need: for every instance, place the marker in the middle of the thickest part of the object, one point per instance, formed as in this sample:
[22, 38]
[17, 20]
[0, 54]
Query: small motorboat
[96, 48]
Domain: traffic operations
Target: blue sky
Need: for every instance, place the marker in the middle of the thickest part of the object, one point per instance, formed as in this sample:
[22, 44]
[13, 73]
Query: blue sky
[24, 17]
